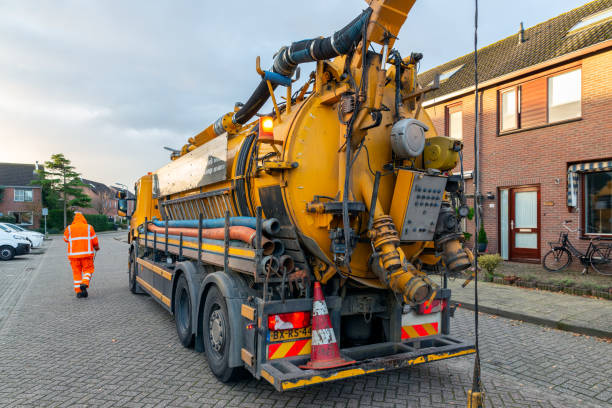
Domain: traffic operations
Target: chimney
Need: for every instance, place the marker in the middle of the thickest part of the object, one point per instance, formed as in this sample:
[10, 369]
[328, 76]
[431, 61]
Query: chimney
[521, 34]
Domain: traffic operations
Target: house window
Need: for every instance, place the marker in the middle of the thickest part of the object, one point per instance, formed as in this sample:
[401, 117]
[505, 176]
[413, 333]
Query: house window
[598, 202]
[23, 194]
[508, 108]
[454, 121]
[593, 19]
[564, 93]
[23, 218]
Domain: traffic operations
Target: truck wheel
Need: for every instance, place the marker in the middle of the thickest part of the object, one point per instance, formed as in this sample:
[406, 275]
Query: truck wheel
[217, 336]
[182, 312]
[7, 252]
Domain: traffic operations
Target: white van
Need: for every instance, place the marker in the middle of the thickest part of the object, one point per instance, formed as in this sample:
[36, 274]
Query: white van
[35, 238]
[12, 244]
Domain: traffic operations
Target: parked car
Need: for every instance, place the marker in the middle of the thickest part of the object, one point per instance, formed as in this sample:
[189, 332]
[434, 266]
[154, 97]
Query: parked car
[12, 244]
[35, 238]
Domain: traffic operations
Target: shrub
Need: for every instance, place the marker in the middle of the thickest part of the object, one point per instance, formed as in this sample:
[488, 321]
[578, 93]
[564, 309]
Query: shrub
[489, 263]
[55, 219]
[8, 218]
[482, 236]
[99, 222]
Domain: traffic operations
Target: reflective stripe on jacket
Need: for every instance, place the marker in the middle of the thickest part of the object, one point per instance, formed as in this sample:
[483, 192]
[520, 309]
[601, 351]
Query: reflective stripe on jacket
[81, 238]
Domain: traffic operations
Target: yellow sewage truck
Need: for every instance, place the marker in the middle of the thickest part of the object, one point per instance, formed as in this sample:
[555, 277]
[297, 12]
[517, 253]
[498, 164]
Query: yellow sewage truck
[345, 183]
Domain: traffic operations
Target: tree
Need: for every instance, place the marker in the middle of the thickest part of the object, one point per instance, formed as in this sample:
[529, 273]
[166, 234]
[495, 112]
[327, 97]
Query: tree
[50, 196]
[62, 184]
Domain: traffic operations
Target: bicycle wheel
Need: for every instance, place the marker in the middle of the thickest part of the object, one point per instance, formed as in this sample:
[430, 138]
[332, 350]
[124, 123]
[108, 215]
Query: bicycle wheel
[600, 261]
[556, 259]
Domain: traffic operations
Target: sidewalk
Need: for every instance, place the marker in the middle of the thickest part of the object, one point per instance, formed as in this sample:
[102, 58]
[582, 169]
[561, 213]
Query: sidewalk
[577, 314]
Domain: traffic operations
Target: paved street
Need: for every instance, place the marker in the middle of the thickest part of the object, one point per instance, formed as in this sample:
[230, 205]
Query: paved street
[118, 349]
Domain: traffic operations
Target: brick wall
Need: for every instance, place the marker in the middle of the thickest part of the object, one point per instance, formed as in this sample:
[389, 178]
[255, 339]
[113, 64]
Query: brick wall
[538, 156]
[8, 204]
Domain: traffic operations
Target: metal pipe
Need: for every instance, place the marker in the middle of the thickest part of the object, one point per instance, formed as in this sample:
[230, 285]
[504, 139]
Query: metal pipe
[279, 247]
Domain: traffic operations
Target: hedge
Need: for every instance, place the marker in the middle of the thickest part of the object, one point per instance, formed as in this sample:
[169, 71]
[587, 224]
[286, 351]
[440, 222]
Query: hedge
[55, 221]
[8, 218]
[99, 222]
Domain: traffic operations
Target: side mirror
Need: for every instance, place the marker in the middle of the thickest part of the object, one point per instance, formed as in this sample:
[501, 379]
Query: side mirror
[122, 207]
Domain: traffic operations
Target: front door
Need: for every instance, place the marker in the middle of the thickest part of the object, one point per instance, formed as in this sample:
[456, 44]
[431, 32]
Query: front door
[524, 223]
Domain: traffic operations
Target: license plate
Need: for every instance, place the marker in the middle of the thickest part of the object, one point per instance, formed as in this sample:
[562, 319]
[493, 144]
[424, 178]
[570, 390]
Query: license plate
[291, 334]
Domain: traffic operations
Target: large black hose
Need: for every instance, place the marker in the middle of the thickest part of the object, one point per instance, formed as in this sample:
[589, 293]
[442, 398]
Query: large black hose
[316, 49]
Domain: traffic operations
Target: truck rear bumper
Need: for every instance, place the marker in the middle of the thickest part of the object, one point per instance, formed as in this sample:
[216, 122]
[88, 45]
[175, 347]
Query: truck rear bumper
[286, 375]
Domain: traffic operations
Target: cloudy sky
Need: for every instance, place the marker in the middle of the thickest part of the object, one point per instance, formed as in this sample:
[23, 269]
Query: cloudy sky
[110, 82]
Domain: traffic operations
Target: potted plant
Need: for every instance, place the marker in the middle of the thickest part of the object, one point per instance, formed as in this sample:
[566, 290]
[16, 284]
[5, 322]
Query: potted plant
[482, 239]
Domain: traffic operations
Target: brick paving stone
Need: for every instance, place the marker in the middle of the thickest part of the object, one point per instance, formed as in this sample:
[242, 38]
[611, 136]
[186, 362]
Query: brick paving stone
[573, 313]
[118, 349]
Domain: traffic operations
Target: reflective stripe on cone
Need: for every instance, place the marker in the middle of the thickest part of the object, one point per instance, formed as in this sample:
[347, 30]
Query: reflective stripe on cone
[325, 352]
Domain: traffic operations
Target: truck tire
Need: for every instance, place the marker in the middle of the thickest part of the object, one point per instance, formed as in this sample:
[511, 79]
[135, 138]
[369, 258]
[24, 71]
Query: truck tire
[216, 330]
[7, 252]
[183, 306]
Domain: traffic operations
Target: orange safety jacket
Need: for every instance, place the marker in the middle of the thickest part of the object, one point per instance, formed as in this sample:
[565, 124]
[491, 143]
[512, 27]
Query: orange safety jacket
[81, 238]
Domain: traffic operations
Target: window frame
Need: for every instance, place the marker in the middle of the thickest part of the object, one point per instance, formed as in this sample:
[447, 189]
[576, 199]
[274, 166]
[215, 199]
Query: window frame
[517, 108]
[583, 217]
[518, 84]
[23, 192]
[556, 74]
[447, 113]
[24, 212]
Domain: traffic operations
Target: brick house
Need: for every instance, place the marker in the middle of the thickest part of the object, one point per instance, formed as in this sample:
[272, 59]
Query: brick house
[103, 199]
[545, 103]
[19, 198]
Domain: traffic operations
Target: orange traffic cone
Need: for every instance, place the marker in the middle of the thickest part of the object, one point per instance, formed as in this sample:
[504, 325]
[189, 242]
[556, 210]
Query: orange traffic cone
[324, 350]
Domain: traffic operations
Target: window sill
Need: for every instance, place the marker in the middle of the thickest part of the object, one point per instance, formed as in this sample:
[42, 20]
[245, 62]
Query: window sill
[603, 237]
[511, 132]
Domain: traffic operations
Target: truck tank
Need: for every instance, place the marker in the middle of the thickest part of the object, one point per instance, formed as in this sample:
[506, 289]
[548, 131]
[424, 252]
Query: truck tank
[349, 163]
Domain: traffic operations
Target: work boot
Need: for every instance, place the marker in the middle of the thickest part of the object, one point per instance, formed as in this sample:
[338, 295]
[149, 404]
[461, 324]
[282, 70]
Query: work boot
[84, 290]
[79, 295]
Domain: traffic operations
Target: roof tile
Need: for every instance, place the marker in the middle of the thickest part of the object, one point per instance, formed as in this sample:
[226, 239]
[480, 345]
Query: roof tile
[542, 42]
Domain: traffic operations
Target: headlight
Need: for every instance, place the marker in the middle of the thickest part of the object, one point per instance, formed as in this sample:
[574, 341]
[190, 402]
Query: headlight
[18, 237]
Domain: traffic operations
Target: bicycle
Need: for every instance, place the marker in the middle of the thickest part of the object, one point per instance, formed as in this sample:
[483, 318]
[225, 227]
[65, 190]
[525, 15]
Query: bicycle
[597, 256]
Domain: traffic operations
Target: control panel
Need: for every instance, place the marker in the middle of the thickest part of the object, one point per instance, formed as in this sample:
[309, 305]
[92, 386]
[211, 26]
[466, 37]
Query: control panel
[416, 204]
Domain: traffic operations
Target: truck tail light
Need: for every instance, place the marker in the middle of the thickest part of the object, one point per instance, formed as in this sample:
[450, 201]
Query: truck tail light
[284, 321]
[437, 305]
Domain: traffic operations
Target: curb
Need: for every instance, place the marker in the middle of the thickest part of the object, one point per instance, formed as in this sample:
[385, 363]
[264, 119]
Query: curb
[555, 324]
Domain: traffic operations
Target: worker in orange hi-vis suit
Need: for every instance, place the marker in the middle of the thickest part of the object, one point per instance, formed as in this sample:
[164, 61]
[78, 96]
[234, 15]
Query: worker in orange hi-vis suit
[82, 242]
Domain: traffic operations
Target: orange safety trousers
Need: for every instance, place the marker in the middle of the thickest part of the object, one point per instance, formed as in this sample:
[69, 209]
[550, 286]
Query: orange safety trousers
[82, 270]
